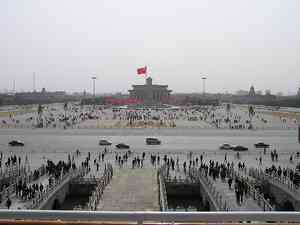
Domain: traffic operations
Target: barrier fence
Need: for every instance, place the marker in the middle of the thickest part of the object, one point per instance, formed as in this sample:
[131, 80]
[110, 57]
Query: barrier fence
[41, 197]
[256, 196]
[21, 175]
[102, 183]
[196, 176]
[222, 204]
[163, 199]
[140, 218]
[259, 174]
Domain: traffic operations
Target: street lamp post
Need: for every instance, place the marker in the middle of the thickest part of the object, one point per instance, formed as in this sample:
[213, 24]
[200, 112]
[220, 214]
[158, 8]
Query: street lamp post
[94, 80]
[203, 82]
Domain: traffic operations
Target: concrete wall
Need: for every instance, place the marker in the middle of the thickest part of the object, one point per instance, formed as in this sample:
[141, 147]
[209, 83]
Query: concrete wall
[183, 189]
[282, 196]
[60, 194]
[65, 189]
[81, 189]
[207, 198]
[198, 189]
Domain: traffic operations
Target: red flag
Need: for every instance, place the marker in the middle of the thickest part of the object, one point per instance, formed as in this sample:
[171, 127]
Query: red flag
[142, 71]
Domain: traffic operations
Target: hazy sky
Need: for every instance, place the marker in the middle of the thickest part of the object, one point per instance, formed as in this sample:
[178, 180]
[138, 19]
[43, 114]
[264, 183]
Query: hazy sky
[234, 43]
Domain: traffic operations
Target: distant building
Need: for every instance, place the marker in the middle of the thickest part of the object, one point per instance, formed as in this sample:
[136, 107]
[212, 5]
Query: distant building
[241, 92]
[298, 93]
[259, 92]
[7, 99]
[39, 97]
[252, 91]
[150, 94]
[252, 97]
[268, 92]
[194, 99]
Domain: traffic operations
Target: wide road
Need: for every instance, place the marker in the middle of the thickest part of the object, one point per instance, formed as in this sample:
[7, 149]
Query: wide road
[55, 144]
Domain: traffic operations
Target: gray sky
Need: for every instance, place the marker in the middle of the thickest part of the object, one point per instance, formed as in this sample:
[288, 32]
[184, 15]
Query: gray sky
[235, 43]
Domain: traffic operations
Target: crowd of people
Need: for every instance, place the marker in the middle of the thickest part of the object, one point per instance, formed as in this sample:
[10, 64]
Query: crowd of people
[274, 155]
[11, 162]
[73, 115]
[59, 169]
[285, 174]
[28, 191]
[224, 170]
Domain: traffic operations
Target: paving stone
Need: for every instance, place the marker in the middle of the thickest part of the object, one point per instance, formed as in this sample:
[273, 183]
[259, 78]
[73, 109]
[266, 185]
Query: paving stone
[131, 190]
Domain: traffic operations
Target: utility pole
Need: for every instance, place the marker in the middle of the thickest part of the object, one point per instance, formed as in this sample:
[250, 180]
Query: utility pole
[203, 82]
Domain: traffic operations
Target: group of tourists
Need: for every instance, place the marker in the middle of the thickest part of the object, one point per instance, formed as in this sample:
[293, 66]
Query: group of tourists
[12, 166]
[29, 187]
[241, 165]
[137, 162]
[61, 168]
[11, 160]
[225, 171]
[225, 117]
[28, 191]
[285, 174]
[214, 169]
[274, 155]
[122, 158]
[241, 189]
[98, 160]
[154, 159]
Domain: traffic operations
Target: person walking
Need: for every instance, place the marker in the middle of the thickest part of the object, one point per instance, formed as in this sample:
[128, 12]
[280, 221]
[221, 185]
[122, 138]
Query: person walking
[237, 193]
[8, 203]
[230, 182]
[260, 160]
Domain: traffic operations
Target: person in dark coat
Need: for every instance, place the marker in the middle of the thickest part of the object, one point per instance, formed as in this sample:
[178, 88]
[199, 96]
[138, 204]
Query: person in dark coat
[8, 203]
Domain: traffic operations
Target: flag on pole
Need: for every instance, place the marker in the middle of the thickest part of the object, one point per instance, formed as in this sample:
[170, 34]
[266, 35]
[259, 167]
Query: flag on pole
[142, 71]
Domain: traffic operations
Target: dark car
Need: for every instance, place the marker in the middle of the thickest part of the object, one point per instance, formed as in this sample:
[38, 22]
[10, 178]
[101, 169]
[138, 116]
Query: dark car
[239, 148]
[16, 143]
[104, 143]
[261, 145]
[122, 146]
[153, 141]
[226, 146]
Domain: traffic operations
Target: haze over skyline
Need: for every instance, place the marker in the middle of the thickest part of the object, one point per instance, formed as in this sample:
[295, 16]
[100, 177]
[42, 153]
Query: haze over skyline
[234, 44]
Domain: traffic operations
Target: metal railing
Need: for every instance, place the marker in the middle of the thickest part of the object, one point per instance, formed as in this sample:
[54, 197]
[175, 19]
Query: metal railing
[155, 217]
[21, 175]
[256, 196]
[182, 181]
[259, 174]
[261, 201]
[37, 201]
[84, 180]
[222, 204]
[163, 200]
[286, 182]
[96, 195]
[194, 176]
